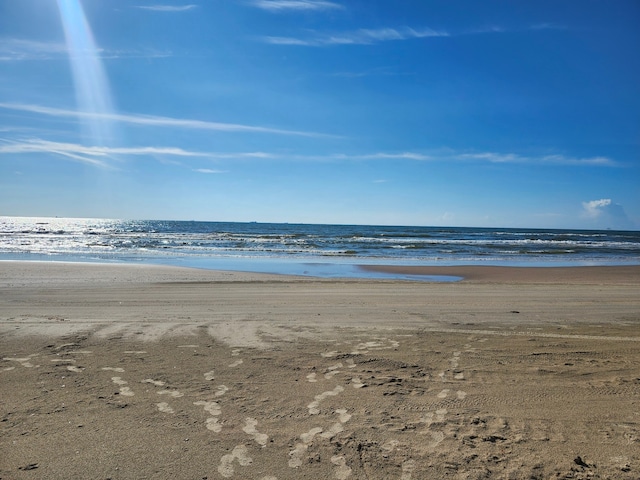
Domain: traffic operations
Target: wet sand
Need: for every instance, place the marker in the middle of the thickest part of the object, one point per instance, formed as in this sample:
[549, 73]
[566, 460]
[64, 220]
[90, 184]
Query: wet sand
[131, 372]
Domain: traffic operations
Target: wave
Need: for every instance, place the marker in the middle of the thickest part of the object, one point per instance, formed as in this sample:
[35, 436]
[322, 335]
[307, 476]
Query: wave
[116, 239]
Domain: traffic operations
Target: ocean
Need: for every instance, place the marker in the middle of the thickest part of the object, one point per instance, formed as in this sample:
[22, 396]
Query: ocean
[303, 249]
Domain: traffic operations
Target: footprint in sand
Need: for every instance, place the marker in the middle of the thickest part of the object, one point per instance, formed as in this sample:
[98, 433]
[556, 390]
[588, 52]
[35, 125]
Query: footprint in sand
[250, 429]
[222, 389]
[461, 395]
[73, 368]
[164, 407]
[444, 393]
[312, 378]
[364, 347]
[171, 393]
[113, 369]
[212, 424]
[313, 406]
[209, 376]
[210, 407]
[343, 416]
[343, 470]
[239, 453]
[157, 383]
[356, 382]
[337, 427]
[236, 363]
[213, 409]
[333, 430]
[307, 438]
[436, 439]
[124, 391]
[437, 417]
[295, 455]
[332, 371]
[24, 362]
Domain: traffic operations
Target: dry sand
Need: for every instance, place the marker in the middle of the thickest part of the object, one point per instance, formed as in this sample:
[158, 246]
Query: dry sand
[129, 372]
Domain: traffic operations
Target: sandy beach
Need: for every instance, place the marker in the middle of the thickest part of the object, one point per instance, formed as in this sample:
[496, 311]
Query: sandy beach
[148, 372]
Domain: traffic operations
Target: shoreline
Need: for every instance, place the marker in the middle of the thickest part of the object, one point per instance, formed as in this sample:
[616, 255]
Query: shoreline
[505, 274]
[617, 274]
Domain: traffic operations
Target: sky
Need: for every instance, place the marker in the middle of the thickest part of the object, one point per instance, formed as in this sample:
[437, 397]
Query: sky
[385, 112]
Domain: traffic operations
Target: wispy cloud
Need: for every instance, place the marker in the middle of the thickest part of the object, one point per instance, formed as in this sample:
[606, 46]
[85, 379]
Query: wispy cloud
[362, 36]
[295, 5]
[383, 156]
[12, 49]
[484, 157]
[373, 72]
[94, 155]
[17, 49]
[146, 53]
[156, 121]
[366, 36]
[167, 8]
[236, 155]
[104, 157]
[208, 171]
[101, 156]
[556, 159]
[547, 26]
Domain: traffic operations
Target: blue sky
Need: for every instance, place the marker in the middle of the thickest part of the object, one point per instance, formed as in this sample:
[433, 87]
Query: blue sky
[406, 112]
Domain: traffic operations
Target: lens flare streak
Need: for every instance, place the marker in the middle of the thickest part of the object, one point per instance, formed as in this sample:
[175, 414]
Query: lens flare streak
[91, 83]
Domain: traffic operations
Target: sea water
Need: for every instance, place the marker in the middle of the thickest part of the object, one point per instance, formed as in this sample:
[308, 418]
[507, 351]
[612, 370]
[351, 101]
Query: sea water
[303, 249]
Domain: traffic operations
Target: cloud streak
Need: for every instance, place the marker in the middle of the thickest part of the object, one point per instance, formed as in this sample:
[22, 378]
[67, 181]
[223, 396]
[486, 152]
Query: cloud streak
[156, 121]
[362, 36]
[104, 157]
[295, 5]
[366, 36]
[167, 8]
[93, 155]
[557, 159]
[485, 157]
[17, 49]
[98, 152]
[12, 49]
[208, 171]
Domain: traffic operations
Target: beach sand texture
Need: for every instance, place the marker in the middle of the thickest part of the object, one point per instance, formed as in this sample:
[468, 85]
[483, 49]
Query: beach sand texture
[132, 372]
